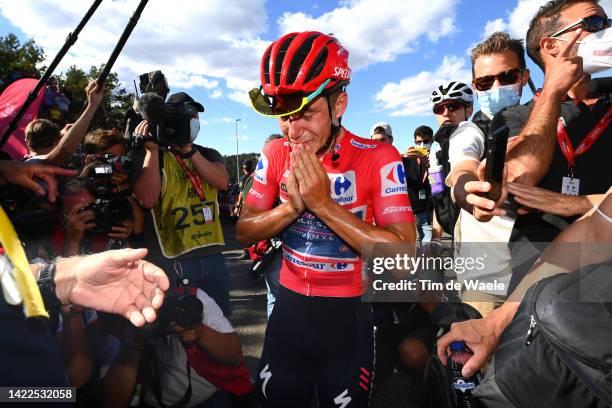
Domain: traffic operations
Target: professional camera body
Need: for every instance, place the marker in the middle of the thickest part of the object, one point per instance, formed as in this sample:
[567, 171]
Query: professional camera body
[169, 121]
[111, 207]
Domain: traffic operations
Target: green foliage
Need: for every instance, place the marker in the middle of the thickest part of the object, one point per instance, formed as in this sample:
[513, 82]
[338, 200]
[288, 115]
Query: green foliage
[230, 164]
[19, 60]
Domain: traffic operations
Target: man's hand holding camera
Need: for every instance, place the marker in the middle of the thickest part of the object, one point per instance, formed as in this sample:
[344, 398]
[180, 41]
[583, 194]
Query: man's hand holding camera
[79, 220]
[188, 335]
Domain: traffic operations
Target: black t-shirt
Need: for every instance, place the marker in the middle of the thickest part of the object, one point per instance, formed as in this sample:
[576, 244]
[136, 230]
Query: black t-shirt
[418, 184]
[593, 168]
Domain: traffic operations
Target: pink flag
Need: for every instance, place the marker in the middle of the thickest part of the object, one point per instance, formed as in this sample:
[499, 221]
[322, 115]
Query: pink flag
[11, 101]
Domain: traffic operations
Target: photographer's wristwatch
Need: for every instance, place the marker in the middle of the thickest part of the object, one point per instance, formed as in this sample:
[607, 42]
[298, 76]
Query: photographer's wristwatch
[46, 284]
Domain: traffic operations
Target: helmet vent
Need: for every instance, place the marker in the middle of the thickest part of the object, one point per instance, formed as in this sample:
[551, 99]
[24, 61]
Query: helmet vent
[266, 67]
[280, 57]
[317, 65]
[299, 57]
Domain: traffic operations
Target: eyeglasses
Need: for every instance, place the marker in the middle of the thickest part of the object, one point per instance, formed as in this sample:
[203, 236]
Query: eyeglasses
[509, 77]
[451, 106]
[422, 142]
[282, 105]
[592, 24]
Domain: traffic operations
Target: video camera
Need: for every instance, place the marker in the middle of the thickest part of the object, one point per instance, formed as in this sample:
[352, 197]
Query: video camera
[169, 121]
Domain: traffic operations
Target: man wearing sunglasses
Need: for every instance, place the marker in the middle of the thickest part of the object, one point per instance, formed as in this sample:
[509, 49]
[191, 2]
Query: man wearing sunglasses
[569, 41]
[339, 194]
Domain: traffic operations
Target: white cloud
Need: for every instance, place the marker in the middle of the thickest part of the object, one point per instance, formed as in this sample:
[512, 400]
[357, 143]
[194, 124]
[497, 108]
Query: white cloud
[223, 120]
[517, 22]
[196, 43]
[410, 97]
[378, 30]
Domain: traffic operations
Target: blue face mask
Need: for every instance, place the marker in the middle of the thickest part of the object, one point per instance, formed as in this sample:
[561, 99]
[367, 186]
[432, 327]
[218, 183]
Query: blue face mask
[498, 98]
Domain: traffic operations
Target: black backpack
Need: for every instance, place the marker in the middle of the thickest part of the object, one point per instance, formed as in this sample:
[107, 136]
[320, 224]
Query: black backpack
[446, 210]
[557, 352]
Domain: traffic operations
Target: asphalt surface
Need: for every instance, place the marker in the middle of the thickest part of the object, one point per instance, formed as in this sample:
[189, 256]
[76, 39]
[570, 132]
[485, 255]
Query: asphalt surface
[248, 299]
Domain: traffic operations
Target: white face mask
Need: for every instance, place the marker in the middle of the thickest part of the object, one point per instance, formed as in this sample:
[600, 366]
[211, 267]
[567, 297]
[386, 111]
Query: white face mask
[194, 129]
[596, 51]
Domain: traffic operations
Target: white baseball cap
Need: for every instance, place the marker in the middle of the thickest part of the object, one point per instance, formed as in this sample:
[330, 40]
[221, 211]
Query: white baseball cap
[385, 126]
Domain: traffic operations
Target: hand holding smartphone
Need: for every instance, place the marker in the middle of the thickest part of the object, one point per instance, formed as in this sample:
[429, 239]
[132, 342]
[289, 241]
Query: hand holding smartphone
[496, 158]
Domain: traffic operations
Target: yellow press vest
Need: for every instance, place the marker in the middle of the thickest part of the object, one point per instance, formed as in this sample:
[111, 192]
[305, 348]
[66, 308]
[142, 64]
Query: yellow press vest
[180, 216]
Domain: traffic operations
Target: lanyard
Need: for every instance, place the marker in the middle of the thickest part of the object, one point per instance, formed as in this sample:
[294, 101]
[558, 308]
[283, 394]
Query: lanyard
[26, 285]
[194, 177]
[566, 145]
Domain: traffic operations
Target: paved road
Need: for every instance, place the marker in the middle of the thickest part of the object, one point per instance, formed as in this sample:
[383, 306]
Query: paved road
[248, 299]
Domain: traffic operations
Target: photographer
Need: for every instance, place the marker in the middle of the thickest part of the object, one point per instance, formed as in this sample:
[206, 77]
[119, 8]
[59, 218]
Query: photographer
[115, 281]
[183, 229]
[174, 363]
[83, 229]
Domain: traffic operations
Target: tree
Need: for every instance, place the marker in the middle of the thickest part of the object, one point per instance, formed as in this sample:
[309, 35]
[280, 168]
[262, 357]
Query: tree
[19, 60]
[116, 99]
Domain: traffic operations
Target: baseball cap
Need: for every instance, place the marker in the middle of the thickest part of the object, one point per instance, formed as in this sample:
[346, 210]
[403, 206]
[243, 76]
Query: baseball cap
[183, 97]
[385, 127]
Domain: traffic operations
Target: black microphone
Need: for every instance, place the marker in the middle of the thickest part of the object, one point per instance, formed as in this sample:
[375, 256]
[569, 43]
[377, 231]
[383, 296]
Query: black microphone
[151, 107]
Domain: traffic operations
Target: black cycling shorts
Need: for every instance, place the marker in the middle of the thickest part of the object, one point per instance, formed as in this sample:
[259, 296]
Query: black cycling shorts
[322, 341]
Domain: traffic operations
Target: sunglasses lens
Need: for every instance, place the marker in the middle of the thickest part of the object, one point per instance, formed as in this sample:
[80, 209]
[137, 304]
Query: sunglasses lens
[484, 83]
[281, 107]
[451, 106]
[509, 77]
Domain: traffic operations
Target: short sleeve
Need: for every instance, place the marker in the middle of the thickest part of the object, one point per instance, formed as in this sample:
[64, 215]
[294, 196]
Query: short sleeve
[211, 154]
[265, 187]
[213, 316]
[466, 143]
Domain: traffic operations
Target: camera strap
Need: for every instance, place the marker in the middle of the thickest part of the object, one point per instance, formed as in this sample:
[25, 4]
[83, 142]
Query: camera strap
[194, 177]
[151, 356]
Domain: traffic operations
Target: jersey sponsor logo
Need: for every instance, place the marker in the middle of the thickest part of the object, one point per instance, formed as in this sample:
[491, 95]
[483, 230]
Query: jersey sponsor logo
[395, 209]
[261, 171]
[343, 399]
[255, 193]
[393, 179]
[283, 187]
[319, 266]
[363, 145]
[344, 187]
[265, 375]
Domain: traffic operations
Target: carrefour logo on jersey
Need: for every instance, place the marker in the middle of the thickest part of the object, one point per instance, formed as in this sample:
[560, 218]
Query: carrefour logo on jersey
[393, 179]
[343, 187]
[261, 171]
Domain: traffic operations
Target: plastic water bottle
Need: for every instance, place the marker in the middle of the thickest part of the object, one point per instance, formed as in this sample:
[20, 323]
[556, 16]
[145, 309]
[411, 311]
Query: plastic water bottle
[436, 179]
[462, 386]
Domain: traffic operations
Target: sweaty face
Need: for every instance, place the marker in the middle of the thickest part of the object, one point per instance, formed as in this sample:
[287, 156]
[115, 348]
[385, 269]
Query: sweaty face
[310, 127]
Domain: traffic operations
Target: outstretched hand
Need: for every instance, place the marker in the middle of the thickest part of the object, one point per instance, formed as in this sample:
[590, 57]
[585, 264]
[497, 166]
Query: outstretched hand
[39, 178]
[119, 282]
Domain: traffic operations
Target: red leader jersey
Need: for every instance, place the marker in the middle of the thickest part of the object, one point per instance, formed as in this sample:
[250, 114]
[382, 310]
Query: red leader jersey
[367, 179]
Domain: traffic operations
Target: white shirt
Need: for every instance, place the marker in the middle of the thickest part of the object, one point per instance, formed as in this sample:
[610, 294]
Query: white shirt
[468, 143]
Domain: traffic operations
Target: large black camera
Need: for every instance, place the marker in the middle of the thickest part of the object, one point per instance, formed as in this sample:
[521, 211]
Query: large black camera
[169, 121]
[108, 213]
[111, 207]
[99, 176]
[180, 307]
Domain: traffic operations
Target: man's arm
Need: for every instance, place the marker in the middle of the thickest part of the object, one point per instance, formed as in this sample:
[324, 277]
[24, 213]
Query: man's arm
[212, 172]
[147, 187]
[482, 335]
[553, 202]
[119, 383]
[530, 154]
[67, 145]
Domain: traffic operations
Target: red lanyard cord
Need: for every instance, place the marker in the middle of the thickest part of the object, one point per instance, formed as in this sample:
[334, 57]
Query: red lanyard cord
[195, 179]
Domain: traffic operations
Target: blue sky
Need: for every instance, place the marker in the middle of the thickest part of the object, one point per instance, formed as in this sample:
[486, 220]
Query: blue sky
[400, 50]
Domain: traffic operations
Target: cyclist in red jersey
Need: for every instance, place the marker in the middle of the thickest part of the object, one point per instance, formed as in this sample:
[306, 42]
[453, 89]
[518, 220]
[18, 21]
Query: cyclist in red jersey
[338, 193]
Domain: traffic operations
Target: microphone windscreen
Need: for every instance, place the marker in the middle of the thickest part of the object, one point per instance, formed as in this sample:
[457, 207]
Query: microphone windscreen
[151, 107]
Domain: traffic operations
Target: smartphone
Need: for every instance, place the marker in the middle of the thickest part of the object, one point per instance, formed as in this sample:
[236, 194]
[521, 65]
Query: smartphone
[423, 150]
[496, 157]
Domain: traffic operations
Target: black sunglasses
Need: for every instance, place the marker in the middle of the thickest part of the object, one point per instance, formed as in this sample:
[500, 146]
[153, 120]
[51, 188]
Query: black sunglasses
[509, 77]
[451, 106]
[592, 24]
